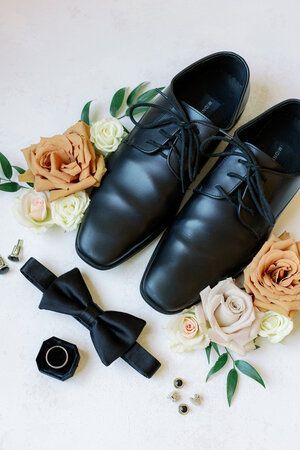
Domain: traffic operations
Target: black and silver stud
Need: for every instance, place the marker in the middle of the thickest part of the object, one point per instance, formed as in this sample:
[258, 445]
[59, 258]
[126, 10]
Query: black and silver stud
[178, 383]
[183, 409]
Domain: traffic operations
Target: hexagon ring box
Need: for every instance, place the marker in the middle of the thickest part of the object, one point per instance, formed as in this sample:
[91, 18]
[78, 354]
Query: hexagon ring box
[58, 358]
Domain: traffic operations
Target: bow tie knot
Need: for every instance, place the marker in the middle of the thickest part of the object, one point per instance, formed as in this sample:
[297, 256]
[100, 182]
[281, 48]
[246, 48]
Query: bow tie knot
[88, 317]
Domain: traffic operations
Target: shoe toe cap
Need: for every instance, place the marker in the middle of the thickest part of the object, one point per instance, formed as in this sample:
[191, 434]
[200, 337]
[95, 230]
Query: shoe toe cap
[101, 240]
[168, 286]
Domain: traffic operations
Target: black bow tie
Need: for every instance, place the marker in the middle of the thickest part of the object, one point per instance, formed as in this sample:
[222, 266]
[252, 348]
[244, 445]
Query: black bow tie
[114, 334]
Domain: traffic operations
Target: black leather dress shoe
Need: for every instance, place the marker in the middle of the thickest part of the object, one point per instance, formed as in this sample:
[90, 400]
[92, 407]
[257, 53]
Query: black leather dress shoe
[152, 168]
[231, 213]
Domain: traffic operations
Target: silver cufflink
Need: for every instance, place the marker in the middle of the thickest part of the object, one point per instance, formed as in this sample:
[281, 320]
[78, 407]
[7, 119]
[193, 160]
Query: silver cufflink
[174, 396]
[196, 399]
[3, 266]
[16, 252]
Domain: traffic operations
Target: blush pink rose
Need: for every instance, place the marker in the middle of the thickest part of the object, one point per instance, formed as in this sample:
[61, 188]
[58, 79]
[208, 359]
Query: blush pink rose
[189, 327]
[188, 331]
[233, 319]
[32, 210]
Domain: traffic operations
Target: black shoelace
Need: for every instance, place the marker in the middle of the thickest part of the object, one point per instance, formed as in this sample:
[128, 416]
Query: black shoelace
[252, 181]
[185, 143]
[189, 148]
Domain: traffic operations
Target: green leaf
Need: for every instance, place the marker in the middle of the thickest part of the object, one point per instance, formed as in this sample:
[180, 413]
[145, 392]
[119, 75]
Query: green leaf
[10, 187]
[6, 166]
[249, 370]
[221, 361]
[149, 95]
[134, 93]
[144, 98]
[117, 102]
[19, 169]
[208, 351]
[85, 113]
[232, 379]
[138, 111]
[215, 346]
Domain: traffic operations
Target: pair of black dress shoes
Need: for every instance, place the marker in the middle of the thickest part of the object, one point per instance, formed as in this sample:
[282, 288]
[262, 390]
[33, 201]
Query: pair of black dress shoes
[229, 214]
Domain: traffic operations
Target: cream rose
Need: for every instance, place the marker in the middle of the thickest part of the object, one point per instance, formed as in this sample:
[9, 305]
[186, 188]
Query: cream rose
[273, 276]
[275, 326]
[32, 210]
[188, 331]
[107, 134]
[233, 319]
[68, 212]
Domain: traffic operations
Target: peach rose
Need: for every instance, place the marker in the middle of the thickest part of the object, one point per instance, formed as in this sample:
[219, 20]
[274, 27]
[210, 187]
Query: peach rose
[64, 164]
[188, 331]
[273, 276]
[233, 319]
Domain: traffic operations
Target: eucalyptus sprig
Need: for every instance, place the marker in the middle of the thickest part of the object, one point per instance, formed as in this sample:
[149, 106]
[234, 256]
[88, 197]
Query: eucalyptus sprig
[123, 99]
[239, 365]
[6, 182]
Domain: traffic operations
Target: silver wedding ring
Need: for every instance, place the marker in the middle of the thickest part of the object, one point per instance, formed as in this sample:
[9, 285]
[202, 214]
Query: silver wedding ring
[54, 350]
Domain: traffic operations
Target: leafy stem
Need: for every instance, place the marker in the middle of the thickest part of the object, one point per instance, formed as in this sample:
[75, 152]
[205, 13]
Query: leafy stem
[6, 180]
[239, 366]
[230, 355]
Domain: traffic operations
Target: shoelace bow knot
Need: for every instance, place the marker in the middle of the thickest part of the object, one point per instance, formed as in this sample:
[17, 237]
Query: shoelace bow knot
[185, 142]
[252, 181]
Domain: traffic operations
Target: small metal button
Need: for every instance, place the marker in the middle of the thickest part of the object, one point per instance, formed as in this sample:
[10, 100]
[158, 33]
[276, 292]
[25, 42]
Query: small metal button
[183, 409]
[178, 383]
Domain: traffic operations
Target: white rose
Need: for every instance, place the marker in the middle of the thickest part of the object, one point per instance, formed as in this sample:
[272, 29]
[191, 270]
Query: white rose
[275, 326]
[107, 134]
[188, 332]
[32, 210]
[67, 212]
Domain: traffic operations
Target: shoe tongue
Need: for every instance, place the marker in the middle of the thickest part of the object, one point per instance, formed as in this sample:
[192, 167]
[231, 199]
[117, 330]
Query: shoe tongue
[264, 159]
[194, 114]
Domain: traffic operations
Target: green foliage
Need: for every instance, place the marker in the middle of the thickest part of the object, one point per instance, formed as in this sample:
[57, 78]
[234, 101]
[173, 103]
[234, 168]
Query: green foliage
[238, 365]
[247, 369]
[117, 102]
[232, 379]
[6, 166]
[6, 184]
[85, 113]
[219, 364]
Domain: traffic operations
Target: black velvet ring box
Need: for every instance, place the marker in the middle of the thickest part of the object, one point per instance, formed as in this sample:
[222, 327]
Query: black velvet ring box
[58, 358]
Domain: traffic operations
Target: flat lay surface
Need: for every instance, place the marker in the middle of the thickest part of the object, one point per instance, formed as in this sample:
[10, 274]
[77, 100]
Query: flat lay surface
[56, 56]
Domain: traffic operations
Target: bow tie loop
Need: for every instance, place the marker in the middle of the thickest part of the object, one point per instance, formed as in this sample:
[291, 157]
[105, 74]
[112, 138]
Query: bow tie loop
[89, 316]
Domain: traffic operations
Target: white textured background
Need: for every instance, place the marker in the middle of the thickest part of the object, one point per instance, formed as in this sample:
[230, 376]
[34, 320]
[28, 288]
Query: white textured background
[55, 56]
